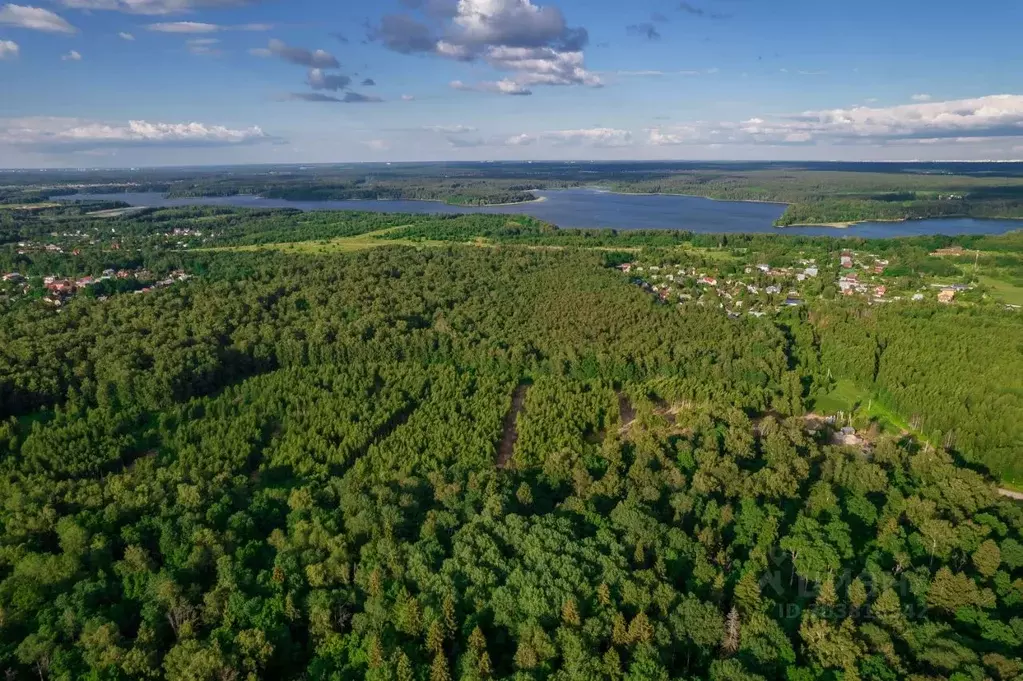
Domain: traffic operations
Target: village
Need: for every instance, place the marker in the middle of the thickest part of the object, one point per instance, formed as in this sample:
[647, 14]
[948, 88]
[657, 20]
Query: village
[758, 289]
[56, 291]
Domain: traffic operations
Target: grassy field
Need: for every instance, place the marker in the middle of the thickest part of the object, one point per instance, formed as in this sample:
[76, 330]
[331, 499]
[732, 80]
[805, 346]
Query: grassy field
[850, 398]
[27, 206]
[347, 244]
[1003, 290]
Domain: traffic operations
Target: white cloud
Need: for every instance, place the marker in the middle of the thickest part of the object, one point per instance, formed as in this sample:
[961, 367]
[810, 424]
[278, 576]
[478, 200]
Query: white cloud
[921, 98]
[126, 36]
[9, 49]
[183, 27]
[71, 134]
[201, 27]
[153, 7]
[531, 42]
[203, 47]
[638, 73]
[73, 55]
[35, 18]
[449, 129]
[408, 98]
[992, 117]
[594, 137]
[541, 66]
[504, 87]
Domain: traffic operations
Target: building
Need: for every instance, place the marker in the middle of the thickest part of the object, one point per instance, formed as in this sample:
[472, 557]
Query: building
[13, 277]
[710, 281]
[880, 291]
[847, 261]
[773, 290]
[811, 271]
[946, 296]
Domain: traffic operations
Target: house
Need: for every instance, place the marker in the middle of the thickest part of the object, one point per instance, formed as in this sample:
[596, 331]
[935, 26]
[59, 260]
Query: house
[954, 250]
[757, 313]
[918, 296]
[801, 277]
[847, 436]
[946, 296]
[764, 268]
[108, 273]
[793, 302]
[13, 277]
[847, 261]
[85, 281]
[625, 267]
[811, 271]
[710, 281]
[773, 290]
[60, 286]
[848, 284]
[880, 291]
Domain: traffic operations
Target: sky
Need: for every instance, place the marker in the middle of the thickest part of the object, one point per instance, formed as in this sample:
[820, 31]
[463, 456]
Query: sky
[123, 83]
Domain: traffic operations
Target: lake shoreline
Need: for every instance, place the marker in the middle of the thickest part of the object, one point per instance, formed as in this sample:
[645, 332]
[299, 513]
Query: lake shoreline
[853, 223]
[586, 208]
[691, 196]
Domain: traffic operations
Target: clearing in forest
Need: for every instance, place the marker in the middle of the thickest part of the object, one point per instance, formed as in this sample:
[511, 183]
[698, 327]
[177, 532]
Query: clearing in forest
[511, 434]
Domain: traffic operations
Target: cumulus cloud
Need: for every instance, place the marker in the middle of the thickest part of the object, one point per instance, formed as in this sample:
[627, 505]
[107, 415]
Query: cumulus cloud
[9, 49]
[594, 137]
[921, 98]
[408, 98]
[504, 87]
[126, 36]
[71, 134]
[318, 80]
[318, 59]
[154, 7]
[992, 117]
[532, 42]
[73, 55]
[542, 66]
[645, 30]
[35, 18]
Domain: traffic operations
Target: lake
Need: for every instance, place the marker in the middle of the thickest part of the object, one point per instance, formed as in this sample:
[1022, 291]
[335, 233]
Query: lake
[581, 208]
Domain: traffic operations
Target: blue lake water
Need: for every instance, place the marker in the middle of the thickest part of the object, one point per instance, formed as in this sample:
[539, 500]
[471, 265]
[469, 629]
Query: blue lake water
[581, 208]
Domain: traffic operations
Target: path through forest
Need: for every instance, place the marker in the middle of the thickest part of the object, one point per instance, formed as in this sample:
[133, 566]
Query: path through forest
[511, 432]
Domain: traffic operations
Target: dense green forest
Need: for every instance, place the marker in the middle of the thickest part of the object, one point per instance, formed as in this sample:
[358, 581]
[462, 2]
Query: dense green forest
[477, 450]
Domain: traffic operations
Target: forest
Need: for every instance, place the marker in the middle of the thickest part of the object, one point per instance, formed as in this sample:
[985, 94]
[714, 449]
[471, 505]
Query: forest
[477, 450]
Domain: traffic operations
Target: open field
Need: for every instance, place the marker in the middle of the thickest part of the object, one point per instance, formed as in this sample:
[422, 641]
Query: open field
[1005, 291]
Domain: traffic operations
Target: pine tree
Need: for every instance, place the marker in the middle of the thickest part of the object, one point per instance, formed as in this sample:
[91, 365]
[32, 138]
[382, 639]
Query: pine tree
[619, 632]
[435, 638]
[403, 668]
[732, 632]
[570, 613]
[439, 668]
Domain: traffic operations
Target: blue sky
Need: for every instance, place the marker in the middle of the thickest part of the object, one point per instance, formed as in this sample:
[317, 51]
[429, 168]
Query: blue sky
[165, 82]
